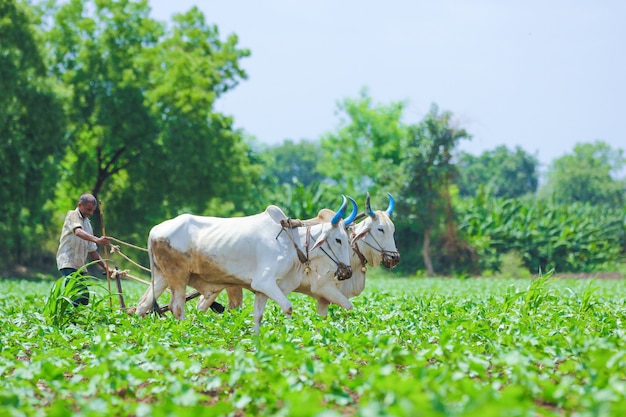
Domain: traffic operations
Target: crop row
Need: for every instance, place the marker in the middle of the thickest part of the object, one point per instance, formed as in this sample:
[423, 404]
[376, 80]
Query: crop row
[429, 347]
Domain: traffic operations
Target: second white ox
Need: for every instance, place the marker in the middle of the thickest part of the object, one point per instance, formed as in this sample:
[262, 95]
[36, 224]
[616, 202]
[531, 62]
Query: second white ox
[210, 253]
[372, 242]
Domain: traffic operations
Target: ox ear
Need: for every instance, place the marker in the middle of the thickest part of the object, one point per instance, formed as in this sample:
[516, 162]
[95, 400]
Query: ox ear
[320, 241]
[360, 236]
[322, 238]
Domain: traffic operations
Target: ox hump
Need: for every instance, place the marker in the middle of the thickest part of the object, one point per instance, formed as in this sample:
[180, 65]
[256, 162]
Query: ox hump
[275, 213]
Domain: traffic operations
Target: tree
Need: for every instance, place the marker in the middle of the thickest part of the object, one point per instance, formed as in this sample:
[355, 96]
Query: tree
[143, 132]
[588, 175]
[291, 162]
[425, 175]
[291, 180]
[502, 172]
[190, 69]
[367, 148]
[31, 131]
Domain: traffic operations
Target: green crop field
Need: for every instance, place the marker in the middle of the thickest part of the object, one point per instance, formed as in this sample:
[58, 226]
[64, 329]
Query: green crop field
[410, 347]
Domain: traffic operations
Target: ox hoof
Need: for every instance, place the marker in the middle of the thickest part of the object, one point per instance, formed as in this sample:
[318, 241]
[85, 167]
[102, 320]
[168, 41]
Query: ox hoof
[217, 307]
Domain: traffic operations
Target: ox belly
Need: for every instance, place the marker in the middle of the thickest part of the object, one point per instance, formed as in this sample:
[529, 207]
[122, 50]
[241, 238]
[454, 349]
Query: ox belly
[195, 269]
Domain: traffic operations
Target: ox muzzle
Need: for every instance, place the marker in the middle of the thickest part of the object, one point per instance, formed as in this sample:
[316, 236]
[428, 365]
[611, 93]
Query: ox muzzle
[343, 272]
[391, 259]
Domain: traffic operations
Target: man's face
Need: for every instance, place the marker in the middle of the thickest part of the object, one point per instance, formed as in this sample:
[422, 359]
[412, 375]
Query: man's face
[86, 209]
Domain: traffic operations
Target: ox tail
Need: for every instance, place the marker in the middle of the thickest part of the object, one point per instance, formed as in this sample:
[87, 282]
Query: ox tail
[156, 309]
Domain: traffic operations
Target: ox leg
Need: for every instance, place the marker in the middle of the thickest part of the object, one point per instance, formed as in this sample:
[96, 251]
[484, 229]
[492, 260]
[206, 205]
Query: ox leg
[177, 302]
[322, 306]
[271, 290]
[260, 300]
[235, 297]
[205, 301]
[154, 291]
[331, 294]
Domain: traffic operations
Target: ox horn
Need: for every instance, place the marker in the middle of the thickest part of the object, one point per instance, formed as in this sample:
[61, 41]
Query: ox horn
[340, 213]
[392, 204]
[368, 207]
[355, 209]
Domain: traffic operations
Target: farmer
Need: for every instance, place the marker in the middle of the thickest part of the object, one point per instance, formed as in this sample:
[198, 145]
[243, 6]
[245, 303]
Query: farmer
[77, 240]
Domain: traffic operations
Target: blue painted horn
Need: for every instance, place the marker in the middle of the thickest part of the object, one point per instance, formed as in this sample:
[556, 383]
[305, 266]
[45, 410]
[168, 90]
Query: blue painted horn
[355, 209]
[368, 207]
[392, 204]
[340, 213]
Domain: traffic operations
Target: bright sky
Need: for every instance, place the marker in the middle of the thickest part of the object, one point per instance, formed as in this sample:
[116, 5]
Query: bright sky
[544, 75]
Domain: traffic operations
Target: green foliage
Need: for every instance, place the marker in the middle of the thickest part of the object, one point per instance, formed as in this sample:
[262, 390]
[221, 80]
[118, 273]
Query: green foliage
[32, 134]
[568, 238]
[302, 202]
[201, 155]
[129, 116]
[61, 307]
[502, 172]
[512, 265]
[424, 180]
[365, 151]
[291, 162]
[432, 347]
[588, 175]
[143, 131]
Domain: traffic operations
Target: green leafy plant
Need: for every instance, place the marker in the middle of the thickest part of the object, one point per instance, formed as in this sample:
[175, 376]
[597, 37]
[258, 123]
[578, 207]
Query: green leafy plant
[427, 346]
[512, 266]
[62, 305]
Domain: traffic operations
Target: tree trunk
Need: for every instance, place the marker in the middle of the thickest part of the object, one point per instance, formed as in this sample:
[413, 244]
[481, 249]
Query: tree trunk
[426, 253]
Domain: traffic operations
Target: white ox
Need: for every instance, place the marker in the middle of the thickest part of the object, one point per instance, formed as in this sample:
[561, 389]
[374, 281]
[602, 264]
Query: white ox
[372, 243]
[210, 253]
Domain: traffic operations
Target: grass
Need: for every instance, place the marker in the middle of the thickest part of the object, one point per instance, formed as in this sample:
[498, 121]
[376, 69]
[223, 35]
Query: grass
[427, 347]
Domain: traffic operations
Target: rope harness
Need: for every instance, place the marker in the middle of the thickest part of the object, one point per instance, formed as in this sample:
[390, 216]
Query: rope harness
[343, 271]
[390, 258]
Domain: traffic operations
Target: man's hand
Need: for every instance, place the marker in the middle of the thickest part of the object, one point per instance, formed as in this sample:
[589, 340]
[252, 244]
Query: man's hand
[103, 240]
[111, 271]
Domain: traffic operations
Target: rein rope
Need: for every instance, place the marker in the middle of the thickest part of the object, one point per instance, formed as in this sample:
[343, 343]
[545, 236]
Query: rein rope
[116, 249]
[128, 244]
[288, 225]
[331, 257]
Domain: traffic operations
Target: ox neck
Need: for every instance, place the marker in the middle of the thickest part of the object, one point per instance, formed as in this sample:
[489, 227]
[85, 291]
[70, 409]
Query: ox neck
[359, 254]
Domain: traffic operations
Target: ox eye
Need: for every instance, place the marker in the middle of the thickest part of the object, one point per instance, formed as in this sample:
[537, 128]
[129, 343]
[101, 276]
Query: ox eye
[338, 240]
[381, 230]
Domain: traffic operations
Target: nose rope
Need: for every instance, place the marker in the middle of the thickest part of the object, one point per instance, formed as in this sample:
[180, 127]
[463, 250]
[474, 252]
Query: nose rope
[301, 256]
[379, 249]
[331, 258]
